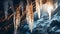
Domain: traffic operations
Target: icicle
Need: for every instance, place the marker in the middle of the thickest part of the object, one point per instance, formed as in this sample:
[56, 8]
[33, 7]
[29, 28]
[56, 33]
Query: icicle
[14, 23]
[16, 20]
[29, 16]
[38, 8]
[49, 8]
[49, 11]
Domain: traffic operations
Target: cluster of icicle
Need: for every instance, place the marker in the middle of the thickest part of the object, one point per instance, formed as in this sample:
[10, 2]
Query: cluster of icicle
[49, 6]
[29, 13]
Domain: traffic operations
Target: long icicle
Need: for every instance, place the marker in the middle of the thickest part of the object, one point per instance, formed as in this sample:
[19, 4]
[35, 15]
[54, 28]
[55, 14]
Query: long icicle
[14, 23]
[50, 7]
[16, 20]
[38, 8]
[30, 17]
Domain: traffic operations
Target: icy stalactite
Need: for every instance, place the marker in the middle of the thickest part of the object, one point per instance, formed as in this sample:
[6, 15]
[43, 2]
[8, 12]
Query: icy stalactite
[49, 8]
[16, 20]
[49, 15]
[38, 8]
[14, 23]
[29, 16]
[56, 5]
